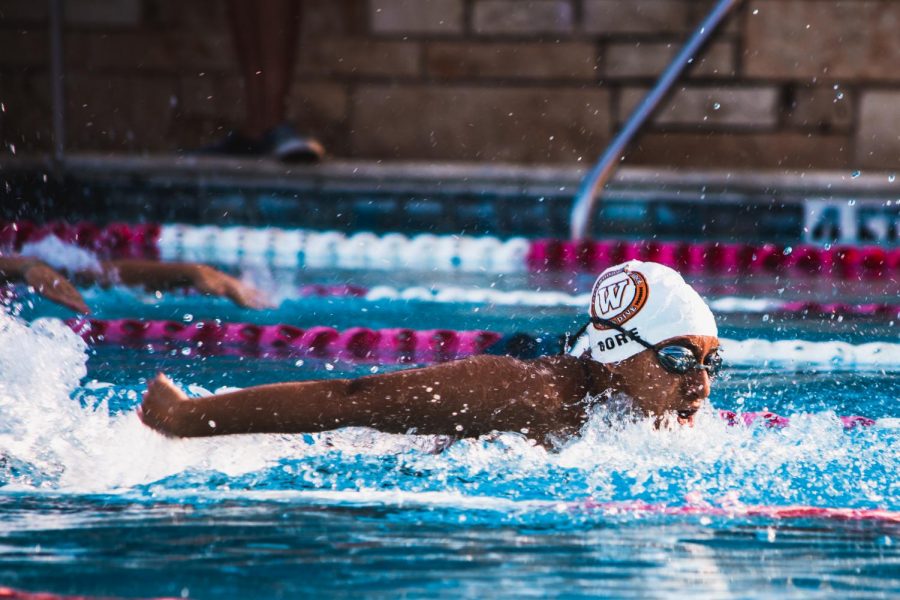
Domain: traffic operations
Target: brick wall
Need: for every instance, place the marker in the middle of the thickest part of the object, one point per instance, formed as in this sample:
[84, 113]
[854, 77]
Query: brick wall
[788, 83]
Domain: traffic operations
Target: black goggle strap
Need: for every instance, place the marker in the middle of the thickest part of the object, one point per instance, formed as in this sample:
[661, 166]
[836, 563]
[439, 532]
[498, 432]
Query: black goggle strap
[635, 337]
[606, 323]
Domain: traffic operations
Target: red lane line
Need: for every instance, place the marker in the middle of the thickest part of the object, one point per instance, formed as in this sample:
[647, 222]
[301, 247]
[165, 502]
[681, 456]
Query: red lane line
[12, 594]
[773, 512]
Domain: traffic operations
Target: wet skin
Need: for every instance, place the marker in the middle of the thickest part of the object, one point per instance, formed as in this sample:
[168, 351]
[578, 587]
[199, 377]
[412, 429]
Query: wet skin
[466, 398]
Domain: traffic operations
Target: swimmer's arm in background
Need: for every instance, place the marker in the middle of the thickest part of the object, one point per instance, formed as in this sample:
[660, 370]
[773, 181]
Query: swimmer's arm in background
[155, 275]
[44, 279]
[464, 398]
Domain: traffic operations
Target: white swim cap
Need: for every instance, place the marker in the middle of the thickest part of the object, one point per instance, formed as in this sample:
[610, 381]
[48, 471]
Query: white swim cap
[650, 299]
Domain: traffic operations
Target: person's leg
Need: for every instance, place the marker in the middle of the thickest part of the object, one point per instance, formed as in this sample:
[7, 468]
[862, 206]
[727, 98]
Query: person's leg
[279, 25]
[248, 39]
[265, 38]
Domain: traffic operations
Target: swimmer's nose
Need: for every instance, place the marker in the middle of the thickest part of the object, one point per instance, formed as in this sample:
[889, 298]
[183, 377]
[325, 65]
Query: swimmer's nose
[696, 385]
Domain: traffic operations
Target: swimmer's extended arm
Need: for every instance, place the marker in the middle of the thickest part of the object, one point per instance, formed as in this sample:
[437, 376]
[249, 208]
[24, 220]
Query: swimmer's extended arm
[465, 398]
[150, 274]
[45, 280]
[156, 275]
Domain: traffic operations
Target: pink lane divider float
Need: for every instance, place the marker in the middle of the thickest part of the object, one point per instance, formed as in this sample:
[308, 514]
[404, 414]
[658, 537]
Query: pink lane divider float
[13, 594]
[638, 508]
[115, 240]
[324, 342]
[777, 421]
[717, 258]
[353, 291]
[143, 240]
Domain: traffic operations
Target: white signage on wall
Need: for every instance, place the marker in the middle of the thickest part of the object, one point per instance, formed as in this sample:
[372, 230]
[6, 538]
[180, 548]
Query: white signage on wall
[849, 221]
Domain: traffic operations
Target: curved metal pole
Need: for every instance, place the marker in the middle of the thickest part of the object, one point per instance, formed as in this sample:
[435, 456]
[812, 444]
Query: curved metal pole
[586, 200]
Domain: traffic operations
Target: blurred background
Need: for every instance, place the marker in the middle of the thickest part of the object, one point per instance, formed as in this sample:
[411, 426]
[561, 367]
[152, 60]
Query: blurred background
[797, 84]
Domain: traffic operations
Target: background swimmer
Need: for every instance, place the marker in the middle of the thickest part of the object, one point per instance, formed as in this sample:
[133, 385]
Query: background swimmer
[150, 274]
[650, 337]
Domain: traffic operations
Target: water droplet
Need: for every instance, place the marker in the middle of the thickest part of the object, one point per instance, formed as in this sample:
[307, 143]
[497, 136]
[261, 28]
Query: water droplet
[329, 367]
[187, 318]
[891, 178]
[787, 251]
[299, 363]
[855, 174]
[716, 106]
[851, 202]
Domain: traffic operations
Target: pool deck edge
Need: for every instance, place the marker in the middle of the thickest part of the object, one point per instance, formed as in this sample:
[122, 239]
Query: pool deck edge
[425, 177]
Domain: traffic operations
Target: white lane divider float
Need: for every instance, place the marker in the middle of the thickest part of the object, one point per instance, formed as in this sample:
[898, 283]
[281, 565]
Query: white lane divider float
[805, 354]
[546, 298]
[303, 248]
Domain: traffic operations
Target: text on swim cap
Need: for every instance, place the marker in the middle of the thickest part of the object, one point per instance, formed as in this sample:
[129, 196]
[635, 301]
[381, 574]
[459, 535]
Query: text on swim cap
[614, 341]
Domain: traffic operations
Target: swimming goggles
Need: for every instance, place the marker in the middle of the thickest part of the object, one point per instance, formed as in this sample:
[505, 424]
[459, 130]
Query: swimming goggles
[674, 358]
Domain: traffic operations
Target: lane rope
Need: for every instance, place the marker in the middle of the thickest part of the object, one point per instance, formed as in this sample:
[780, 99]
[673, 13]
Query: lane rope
[445, 344]
[363, 250]
[729, 304]
[354, 343]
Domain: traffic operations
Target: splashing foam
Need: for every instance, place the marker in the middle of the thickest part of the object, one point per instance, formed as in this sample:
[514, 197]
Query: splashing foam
[50, 441]
[62, 256]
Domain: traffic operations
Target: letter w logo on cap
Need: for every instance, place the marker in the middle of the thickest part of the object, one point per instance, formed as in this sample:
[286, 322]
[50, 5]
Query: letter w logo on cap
[610, 297]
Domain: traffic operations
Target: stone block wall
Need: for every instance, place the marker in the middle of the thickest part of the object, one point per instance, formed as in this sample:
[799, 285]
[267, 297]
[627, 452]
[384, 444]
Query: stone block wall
[800, 84]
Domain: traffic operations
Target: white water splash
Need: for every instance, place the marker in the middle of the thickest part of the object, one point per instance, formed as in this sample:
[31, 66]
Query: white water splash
[62, 256]
[49, 441]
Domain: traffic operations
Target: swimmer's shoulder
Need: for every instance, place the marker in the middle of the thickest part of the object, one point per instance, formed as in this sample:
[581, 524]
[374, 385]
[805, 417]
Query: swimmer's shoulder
[548, 366]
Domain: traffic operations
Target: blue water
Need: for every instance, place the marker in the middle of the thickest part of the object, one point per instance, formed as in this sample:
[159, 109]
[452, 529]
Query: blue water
[91, 502]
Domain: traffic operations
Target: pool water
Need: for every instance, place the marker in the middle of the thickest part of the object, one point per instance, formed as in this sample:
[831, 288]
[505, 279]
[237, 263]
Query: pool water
[92, 502]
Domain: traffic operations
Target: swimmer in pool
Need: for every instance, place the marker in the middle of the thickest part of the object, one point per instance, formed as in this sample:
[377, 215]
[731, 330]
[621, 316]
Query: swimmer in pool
[650, 337]
[153, 275]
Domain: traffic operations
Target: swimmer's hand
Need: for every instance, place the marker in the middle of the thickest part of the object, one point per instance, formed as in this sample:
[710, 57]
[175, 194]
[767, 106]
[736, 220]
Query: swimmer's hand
[163, 406]
[55, 287]
[164, 275]
[216, 283]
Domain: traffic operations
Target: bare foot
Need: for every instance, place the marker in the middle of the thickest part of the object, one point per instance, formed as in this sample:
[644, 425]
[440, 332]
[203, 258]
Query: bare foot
[162, 405]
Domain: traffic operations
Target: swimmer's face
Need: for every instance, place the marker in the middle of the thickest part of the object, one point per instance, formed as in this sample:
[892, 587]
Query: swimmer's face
[656, 391]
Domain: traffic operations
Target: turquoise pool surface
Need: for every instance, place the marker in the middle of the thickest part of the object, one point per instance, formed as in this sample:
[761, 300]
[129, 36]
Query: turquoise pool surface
[91, 502]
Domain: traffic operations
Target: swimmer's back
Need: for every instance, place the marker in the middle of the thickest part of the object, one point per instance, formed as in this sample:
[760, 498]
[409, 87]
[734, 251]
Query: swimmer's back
[477, 395]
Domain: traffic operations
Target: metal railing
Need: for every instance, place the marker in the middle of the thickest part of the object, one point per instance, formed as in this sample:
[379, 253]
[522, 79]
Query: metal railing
[583, 209]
